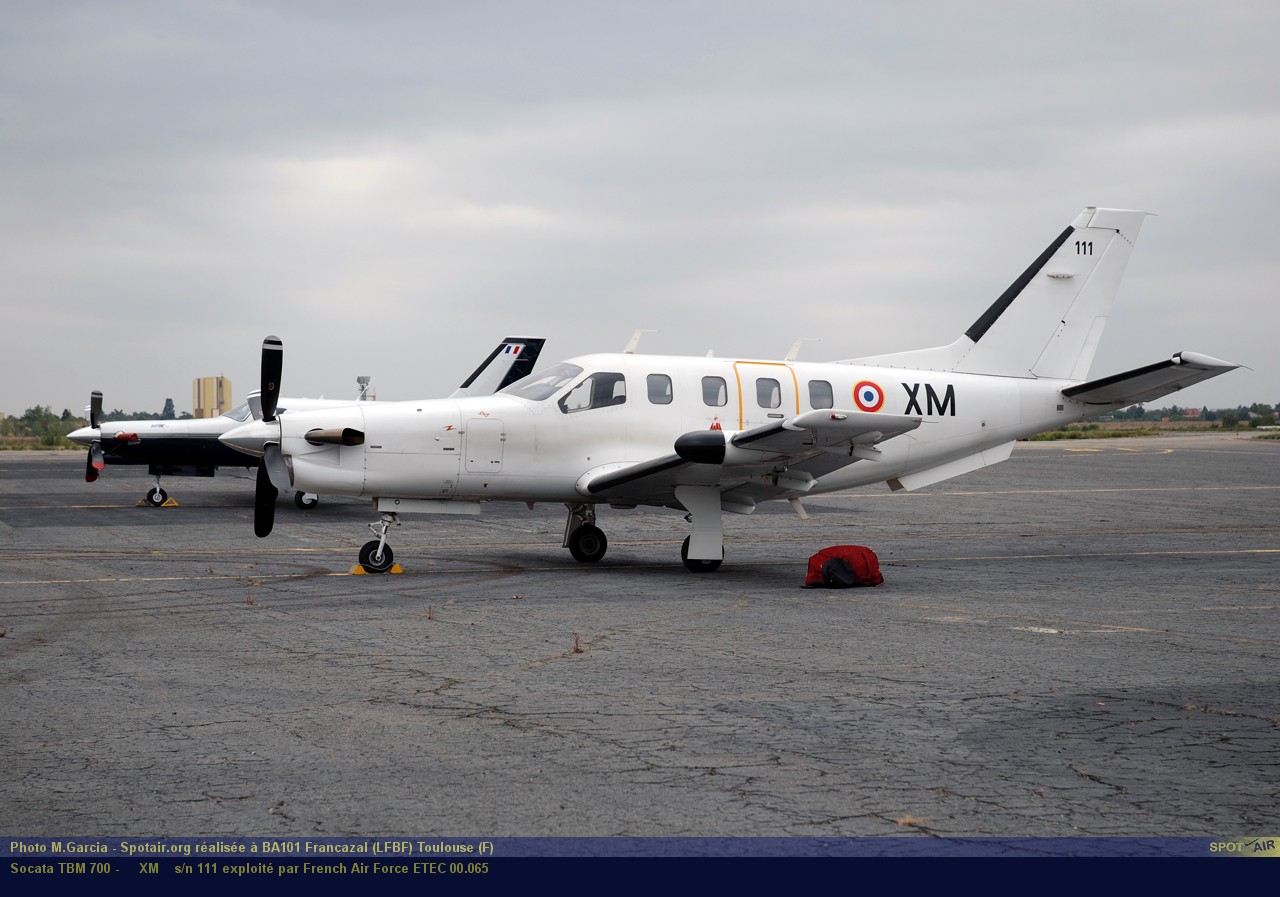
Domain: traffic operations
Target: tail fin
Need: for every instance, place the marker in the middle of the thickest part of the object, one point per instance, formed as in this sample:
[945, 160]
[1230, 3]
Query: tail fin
[1049, 321]
[514, 358]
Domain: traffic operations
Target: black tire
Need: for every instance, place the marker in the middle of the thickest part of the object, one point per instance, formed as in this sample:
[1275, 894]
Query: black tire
[588, 544]
[157, 497]
[695, 565]
[305, 500]
[372, 564]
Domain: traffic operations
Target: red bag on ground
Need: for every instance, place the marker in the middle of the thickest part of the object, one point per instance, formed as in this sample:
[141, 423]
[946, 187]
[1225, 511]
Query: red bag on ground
[843, 566]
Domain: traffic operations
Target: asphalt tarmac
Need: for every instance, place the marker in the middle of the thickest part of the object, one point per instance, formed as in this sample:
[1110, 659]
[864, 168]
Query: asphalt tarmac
[1083, 641]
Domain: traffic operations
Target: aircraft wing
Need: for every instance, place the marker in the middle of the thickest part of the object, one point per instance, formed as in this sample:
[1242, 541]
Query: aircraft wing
[1151, 382]
[827, 438]
[823, 430]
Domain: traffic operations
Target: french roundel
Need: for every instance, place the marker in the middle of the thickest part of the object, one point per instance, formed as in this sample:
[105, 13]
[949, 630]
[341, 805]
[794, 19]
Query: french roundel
[868, 396]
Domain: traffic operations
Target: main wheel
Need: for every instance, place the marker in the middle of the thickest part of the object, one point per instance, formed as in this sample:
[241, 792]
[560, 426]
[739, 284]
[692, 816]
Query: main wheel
[588, 544]
[374, 564]
[305, 500]
[157, 497]
[696, 565]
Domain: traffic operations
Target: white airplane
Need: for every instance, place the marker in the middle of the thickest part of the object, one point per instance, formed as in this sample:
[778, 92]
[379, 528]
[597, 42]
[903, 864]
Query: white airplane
[191, 448]
[713, 435]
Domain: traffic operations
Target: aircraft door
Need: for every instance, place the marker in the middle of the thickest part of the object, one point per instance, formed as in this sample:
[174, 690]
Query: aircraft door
[485, 443]
[767, 391]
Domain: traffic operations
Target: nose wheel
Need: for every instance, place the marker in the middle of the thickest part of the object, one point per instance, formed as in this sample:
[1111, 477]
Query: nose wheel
[305, 500]
[376, 556]
[156, 497]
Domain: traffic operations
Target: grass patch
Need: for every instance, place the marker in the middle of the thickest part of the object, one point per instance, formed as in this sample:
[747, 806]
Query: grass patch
[36, 444]
[1092, 431]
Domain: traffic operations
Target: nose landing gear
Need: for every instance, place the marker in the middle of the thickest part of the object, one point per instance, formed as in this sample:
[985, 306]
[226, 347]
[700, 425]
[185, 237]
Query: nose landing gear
[376, 555]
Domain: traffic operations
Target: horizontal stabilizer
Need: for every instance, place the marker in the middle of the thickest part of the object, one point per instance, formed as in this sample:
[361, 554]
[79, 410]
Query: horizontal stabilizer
[1151, 382]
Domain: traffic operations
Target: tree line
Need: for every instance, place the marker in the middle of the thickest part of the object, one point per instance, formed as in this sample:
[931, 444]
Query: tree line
[48, 429]
[1255, 415]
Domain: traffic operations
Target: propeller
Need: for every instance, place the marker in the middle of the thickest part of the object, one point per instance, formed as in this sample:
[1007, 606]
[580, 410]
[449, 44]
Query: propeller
[273, 465]
[95, 463]
[264, 503]
[272, 366]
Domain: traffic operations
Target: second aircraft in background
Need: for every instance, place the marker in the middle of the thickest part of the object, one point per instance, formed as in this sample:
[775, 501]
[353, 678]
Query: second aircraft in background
[191, 447]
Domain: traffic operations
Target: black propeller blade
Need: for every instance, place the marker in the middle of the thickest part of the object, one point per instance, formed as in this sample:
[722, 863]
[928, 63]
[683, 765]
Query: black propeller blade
[272, 366]
[95, 409]
[264, 500]
[264, 503]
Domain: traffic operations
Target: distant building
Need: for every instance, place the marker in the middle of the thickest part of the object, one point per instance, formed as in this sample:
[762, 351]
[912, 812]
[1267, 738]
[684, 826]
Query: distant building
[1192, 412]
[211, 396]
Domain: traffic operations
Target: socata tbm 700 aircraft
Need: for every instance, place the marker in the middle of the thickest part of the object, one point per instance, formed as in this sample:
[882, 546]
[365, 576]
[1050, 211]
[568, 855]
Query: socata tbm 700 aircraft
[709, 435]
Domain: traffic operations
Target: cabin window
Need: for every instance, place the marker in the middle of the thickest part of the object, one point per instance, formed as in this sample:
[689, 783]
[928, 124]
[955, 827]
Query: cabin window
[600, 390]
[659, 389]
[820, 394]
[545, 383]
[715, 392]
[768, 393]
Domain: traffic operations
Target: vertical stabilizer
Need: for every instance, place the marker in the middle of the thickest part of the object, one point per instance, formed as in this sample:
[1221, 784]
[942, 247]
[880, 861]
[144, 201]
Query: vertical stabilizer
[513, 359]
[1049, 321]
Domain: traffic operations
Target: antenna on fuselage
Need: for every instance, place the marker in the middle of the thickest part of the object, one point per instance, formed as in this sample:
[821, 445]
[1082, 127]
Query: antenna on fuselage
[794, 352]
[635, 341]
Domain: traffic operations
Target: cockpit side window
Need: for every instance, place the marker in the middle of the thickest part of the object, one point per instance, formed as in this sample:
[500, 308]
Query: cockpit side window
[600, 390]
[544, 384]
[240, 412]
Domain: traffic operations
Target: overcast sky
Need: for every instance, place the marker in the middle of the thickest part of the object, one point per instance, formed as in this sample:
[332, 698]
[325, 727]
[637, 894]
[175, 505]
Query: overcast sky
[392, 187]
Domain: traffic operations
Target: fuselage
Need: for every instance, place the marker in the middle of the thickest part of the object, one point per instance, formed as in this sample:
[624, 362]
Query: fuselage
[546, 437]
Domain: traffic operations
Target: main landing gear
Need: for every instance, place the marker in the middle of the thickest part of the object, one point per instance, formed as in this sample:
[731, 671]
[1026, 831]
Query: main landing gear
[156, 497]
[305, 500]
[696, 565]
[585, 541]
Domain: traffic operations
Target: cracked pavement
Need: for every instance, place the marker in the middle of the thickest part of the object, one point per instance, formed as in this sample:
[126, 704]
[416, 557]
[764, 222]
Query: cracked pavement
[1083, 641]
